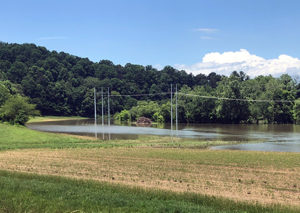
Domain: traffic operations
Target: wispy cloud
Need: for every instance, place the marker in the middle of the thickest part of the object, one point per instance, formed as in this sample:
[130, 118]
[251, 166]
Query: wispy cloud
[52, 38]
[206, 30]
[206, 33]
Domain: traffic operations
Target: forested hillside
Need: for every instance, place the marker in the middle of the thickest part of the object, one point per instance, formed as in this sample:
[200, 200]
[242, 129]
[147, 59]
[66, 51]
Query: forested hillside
[62, 84]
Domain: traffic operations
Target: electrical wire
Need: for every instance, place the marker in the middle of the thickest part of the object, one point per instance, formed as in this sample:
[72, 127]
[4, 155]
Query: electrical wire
[201, 96]
[135, 95]
[237, 99]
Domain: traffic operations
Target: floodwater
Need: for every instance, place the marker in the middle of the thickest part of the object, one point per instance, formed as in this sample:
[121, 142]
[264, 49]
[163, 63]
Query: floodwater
[283, 137]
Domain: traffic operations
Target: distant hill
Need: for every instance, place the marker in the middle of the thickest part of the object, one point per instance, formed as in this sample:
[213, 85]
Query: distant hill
[60, 83]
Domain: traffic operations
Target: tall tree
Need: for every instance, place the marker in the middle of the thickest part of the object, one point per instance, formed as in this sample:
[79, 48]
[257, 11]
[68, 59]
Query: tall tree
[234, 110]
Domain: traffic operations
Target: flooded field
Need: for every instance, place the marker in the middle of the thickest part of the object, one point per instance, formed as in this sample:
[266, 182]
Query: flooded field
[285, 138]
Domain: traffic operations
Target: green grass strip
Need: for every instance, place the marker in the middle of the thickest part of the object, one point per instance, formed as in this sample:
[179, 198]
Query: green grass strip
[35, 193]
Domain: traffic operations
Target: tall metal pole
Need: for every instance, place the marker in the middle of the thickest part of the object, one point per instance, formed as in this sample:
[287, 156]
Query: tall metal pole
[102, 113]
[95, 110]
[172, 112]
[108, 114]
[176, 113]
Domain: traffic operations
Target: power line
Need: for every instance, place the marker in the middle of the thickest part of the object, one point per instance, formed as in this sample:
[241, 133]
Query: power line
[134, 95]
[236, 99]
[207, 97]
[201, 96]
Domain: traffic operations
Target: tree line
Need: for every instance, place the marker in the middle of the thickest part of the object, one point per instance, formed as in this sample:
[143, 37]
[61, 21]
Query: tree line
[236, 99]
[62, 84]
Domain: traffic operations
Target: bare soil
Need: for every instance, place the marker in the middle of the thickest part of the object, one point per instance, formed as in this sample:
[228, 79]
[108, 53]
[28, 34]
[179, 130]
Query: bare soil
[137, 167]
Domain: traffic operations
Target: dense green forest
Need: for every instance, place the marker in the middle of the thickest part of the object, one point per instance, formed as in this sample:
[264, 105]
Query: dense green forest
[62, 84]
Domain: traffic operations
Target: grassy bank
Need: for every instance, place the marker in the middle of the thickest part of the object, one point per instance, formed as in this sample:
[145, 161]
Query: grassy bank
[33, 193]
[53, 118]
[19, 137]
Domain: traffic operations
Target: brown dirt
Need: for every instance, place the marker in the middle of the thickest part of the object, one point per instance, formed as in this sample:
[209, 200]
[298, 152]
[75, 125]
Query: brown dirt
[121, 165]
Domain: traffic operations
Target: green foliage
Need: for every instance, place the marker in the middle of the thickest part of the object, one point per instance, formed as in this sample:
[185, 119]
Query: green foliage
[297, 111]
[157, 117]
[17, 110]
[123, 116]
[231, 111]
[87, 104]
[144, 109]
[279, 89]
[4, 93]
[58, 82]
[298, 90]
[256, 90]
[17, 71]
[194, 108]
[2, 75]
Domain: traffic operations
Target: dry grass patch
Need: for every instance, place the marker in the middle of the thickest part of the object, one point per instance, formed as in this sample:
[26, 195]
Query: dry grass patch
[242, 176]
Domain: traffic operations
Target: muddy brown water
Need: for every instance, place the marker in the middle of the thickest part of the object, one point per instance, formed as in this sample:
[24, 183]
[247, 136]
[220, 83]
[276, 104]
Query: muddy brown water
[278, 137]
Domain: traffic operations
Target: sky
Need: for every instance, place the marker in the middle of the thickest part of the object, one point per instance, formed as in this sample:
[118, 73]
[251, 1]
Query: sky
[260, 37]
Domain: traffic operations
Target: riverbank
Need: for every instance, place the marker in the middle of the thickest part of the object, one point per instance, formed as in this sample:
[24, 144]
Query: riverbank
[20, 137]
[263, 137]
[53, 118]
[270, 179]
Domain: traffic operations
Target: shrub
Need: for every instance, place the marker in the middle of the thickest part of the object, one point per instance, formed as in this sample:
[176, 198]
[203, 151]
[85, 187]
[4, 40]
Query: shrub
[17, 110]
[157, 117]
[123, 116]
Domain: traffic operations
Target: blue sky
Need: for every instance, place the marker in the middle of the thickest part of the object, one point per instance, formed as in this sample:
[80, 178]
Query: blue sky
[178, 33]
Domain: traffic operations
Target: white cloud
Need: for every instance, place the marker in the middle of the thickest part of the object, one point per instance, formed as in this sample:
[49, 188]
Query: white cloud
[52, 38]
[242, 60]
[206, 30]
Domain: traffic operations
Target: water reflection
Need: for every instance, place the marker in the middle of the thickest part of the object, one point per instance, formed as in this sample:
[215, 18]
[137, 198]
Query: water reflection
[267, 146]
[276, 137]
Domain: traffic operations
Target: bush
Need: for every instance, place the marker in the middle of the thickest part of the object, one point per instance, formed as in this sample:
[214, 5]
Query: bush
[157, 117]
[123, 116]
[17, 110]
[144, 109]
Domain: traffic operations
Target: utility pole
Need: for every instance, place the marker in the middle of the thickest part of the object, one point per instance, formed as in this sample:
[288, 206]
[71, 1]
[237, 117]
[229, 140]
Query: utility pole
[95, 110]
[102, 114]
[108, 114]
[172, 112]
[176, 113]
